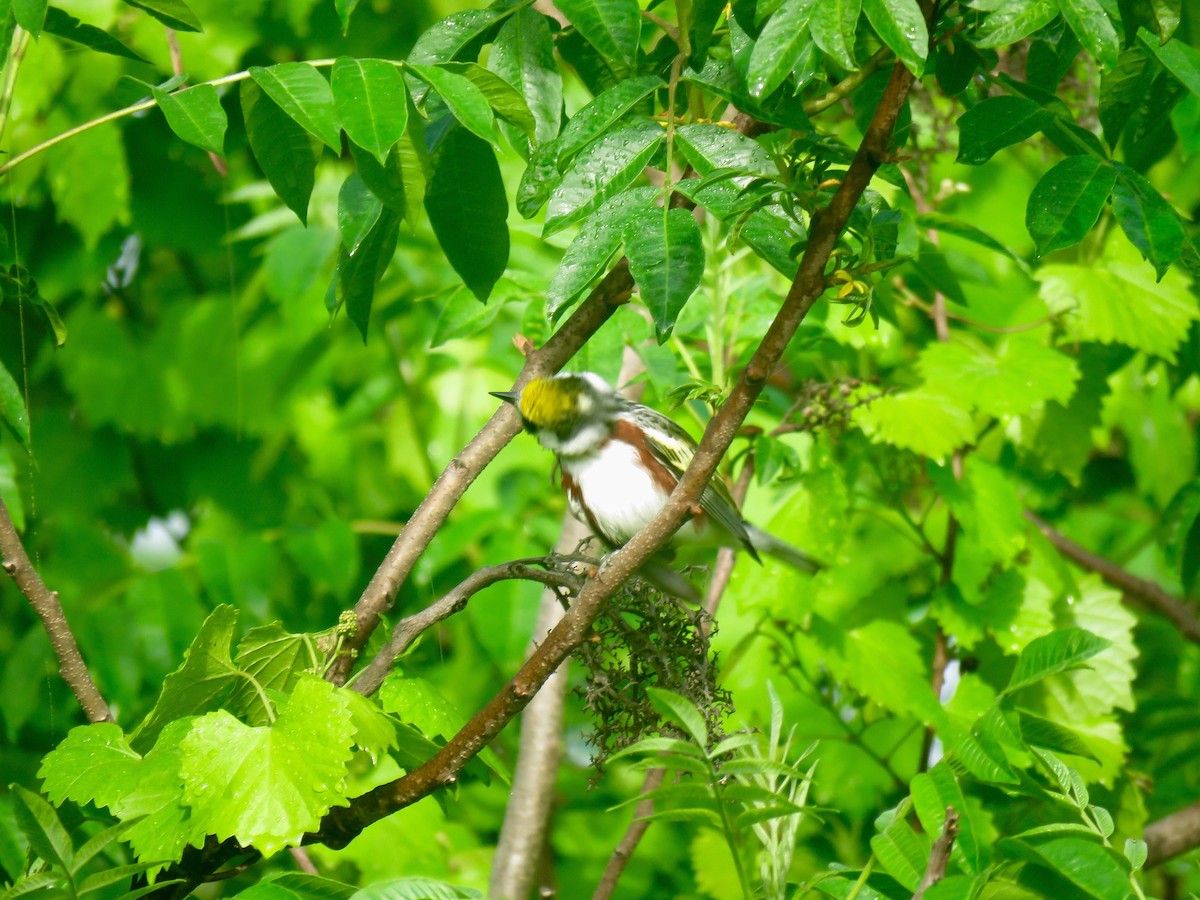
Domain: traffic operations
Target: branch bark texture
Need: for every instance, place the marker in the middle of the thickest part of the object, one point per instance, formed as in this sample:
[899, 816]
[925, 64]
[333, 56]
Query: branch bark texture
[939, 854]
[74, 671]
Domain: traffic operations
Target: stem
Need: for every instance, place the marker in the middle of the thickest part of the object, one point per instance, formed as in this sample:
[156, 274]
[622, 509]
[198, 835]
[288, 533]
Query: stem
[20, 41]
[730, 834]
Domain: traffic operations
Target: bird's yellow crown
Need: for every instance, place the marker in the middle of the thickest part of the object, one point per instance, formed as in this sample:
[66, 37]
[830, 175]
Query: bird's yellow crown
[550, 402]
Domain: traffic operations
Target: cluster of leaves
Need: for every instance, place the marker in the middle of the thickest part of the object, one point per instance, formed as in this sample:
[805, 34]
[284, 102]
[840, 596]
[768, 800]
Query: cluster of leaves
[992, 378]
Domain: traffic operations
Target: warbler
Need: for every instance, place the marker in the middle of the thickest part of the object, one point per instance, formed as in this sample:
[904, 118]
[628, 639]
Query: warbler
[619, 462]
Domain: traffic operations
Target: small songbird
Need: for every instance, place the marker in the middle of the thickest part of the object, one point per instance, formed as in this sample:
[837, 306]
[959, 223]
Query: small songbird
[620, 460]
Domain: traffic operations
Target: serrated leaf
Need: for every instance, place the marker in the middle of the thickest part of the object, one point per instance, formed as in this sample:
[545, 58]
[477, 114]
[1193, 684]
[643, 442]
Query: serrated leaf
[1093, 25]
[779, 47]
[42, 828]
[462, 97]
[370, 97]
[92, 764]
[1114, 301]
[66, 26]
[996, 123]
[666, 258]
[601, 172]
[468, 210]
[1049, 654]
[359, 273]
[1008, 380]
[12, 407]
[1067, 201]
[681, 712]
[274, 659]
[523, 55]
[199, 684]
[900, 25]
[834, 26]
[587, 257]
[196, 116]
[304, 94]
[155, 806]
[267, 786]
[605, 110]
[611, 26]
[1147, 219]
[172, 13]
[926, 422]
[283, 149]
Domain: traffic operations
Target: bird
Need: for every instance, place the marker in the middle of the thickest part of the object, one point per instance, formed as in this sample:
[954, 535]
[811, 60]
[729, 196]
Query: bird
[620, 460]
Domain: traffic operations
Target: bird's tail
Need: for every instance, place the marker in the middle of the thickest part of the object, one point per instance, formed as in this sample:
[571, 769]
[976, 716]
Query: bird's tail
[763, 542]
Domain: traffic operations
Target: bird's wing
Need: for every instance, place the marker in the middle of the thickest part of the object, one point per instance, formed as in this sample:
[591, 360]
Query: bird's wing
[675, 451]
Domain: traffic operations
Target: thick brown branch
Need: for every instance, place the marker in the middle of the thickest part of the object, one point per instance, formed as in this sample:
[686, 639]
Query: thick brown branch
[1145, 592]
[1171, 835]
[45, 603]
[464, 468]
[343, 824]
[409, 629]
[939, 854]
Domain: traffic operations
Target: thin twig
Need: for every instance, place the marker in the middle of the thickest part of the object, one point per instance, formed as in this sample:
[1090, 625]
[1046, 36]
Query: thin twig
[632, 837]
[15, 562]
[1145, 592]
[1172, 835]
[303, 861]
[727, 556]
[939, 854]
[407, 630]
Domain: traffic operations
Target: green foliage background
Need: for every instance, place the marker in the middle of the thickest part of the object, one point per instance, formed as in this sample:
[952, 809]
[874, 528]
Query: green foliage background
[209, 435]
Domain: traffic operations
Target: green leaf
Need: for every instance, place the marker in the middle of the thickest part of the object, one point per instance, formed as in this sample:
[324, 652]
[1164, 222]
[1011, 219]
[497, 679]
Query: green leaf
[604, 111]
[900, 25]
[160, 820]
[1181, 534]
[297, 886]
[1037, 731]
[937, 789]
[834, 27]
[462, 316]
[1093, 25]
[666, 258]
[370, 97]
[600, 172]
[1119, 302]
[1089, 866]
[968, 232]
[711, 148]
[1123, 90]
[1136, 852]
[100, 842]
[986, 504]
[523, 55]
[91, 186]
[902, 852]
[12, 407]
[42, 828]
[283, 149]
[108, 877]
[1059, 651]
[996, 123]
[172, 13]
[459, 34]
[267, 786]
[303, 93]
[358, 211]
[926, 422]
[196, 116]
[587, 257]
[469, 211]
[540, 178]
[613, 27]
[92, 764]
[359, 273]
[1179, 58]
[386, 182]
[1013, 21]
[1067, 201]
[345, 9]
[681, 712]
[66, 26]
[783, 42]
[274, 659]
[1147, 219]
[200, 683]
[29, 14]
[462, 97]
[1009, 380]
[416, 888]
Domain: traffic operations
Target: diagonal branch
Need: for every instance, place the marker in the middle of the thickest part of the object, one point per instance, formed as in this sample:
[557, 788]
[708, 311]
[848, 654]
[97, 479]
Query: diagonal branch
[939, 854]
[1172, 835]
[1146, 592]
[45, 603]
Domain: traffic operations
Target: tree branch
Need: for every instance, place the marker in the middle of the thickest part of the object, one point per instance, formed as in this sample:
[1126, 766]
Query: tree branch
[44, 601]
[407, 630]
[1145, 592]
[1172, 835]
[939, 854]
[623, 852]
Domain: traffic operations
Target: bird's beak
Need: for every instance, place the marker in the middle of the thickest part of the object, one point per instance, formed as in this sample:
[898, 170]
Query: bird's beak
[507, 396]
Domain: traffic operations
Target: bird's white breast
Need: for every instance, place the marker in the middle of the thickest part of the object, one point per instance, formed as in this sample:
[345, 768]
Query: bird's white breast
[617, 490]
